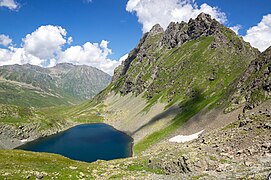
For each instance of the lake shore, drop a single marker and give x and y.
(11, 138)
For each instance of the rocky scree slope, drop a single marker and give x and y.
(187, 67)
(34, 86)
(254, 87)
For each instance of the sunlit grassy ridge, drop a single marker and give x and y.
(22, 96)
(46, 119)
(28, 165)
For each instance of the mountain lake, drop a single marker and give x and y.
(88, 142)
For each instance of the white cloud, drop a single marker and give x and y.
(18, 56)
(10, 4)
(92, 54)
(45, 42)
(43, 47)
(70, 40)
(4, 56)
(260, 36)
(151, 12)
(236, 28)
(5, 40)
(52, 62)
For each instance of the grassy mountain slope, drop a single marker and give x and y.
(64, 84)
(189, 66)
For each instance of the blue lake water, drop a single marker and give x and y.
(88, 143)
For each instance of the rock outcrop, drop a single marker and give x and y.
(178, 33)
(254, 87)
(241, 149)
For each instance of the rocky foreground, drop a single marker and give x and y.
(241, 150)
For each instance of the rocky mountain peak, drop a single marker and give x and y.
(204, 18)
(203, 25)
(178, 33)
(156, 29)
(65, 65)
(175, 34)
(268, 51)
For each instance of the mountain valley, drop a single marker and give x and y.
(190, 77)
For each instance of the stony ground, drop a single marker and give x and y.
(240, 150)
(127, 114)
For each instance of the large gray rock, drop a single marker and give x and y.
(178, 33)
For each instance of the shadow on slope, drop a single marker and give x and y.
(173, 110)
(189, 108)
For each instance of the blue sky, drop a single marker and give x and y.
(108, 29)
(246, 13)
(95, 21)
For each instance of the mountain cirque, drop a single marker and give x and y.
(189, 77)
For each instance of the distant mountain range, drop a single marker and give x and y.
(29, 85)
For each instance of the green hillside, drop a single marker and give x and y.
(64, 84)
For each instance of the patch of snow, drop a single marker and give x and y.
(24, 140)
(182, 139)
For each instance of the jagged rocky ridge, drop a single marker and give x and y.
(29, 85)
(194, 55)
